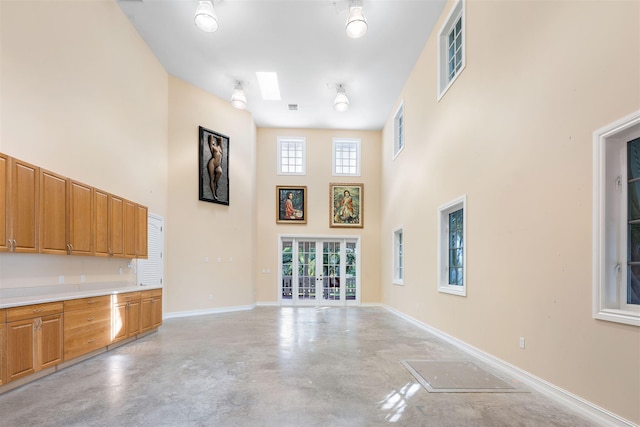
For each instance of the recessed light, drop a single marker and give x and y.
(293, 107)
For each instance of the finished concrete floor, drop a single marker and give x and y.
(272, 366)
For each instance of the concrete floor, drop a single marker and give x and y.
(272, 366)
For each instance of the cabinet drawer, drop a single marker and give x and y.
(152, 293)
(85, 320)
(32, 311)
(81, 343)
(82, 303)
(129, 296)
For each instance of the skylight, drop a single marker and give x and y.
(268, 82)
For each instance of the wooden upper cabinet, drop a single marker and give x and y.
(141, 231)
(116, 226)
(129, 229)
(79, 217)
(4, 198)
(53, 213)
(24, 196)
(101, 223)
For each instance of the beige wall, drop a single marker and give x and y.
(81, 95)
(317, 179)
(197, 230)
(514, 134)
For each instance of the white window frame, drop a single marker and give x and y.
(444, 83)
(610, 221)
(443, 246)
(292, 139)
(398, 131)
(398, 256)
(357, 143)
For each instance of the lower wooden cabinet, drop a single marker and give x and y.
(150, 309)
(3, 347)
(126, 315)
(34, 338)
(87, 325)
(39, 336)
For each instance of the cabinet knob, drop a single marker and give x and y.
(89, 319)
(91, 341)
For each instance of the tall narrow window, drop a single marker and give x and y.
(616, 232)
(398, 131)
(398, 257)
(452, 253)
(291, 156)
(346, 157)
(451, 48)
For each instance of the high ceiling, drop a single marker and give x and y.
(304, 42)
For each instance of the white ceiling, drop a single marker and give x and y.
(304, 42)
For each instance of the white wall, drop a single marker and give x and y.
(514, 133)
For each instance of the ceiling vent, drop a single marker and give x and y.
(293, 107)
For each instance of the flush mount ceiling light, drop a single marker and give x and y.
(238, 99)
(356, 21)
(206, 18)
(341, 103)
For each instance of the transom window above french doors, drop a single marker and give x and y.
(319, 271)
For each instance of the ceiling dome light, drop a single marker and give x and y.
(239, 99)
(206, 18)
(341, 103)
(356, 21)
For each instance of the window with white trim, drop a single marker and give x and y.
(398, 256)
(616, 212)
(398, 131)
(292, 156)
(452, 256)
(346, 157)
(451, 48)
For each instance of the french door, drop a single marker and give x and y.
(319, 271)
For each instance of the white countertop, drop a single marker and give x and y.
(14, 297)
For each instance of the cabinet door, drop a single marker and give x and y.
(101, 223)
(4, 197)
(133, 318)
(49, 341)
(20, 348)
(146, 314)
(80, 215)
(23, 206)
(119, 322)
(129, 229)
(116, 226)
(3, 350)
(53, 213)
(156, 312)
(141, 231)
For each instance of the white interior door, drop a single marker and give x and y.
(318, 271)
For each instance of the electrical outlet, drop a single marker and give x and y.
(82, 278)
(521, 342)
(210, 297)
(120, 270)
(61, 279)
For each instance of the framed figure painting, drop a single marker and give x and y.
(291, 205)
(346, 203)
(213, 179)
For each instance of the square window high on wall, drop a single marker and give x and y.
(616, 225)
(398, 131)
(451, 48)
(292, 156)
(346, 157)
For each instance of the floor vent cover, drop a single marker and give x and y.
(451, 376)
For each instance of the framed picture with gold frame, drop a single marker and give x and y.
(291, 205)
(346, 203)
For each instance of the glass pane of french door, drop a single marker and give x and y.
(306, 270)
(331, 270)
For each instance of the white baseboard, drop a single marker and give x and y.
(267, 304)
(190, 313)
(560, 395)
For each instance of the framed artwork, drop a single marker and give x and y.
(291, 205)
(346, 203)
(213, 179)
